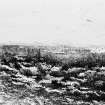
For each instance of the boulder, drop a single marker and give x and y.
(8, 69)
(56, 74)
(72, 83)
(46, 83)
(76, 70)
(55, 69)
(82, 75)
(31, 71)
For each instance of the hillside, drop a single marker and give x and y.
(51, 75)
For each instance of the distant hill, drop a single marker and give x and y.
(56, 49)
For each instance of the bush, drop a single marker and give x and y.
(50, 58)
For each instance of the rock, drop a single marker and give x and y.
(76, 92)
(45, 67)
(47, 76)
(57, 74)
(58, 79)
(102, 68)
(96, 102)
(74, 84)
(76, 70)
(84, 89)
(31, 71)
(53, 91)
(82, 75)
(8, 69)
(17, 83)
(70, 100)
(46, 83)
(55, 69)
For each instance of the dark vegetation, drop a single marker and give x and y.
(85, 59)
(35, 76)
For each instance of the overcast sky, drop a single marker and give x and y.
(77, 22)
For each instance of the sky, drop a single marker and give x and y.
(73, 22)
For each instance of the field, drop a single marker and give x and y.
(51, 75)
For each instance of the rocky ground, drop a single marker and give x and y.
(22, 83)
